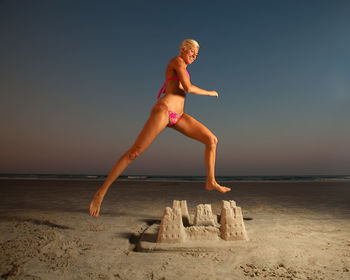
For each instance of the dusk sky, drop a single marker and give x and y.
(78, 80)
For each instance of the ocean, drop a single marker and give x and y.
(102, 177)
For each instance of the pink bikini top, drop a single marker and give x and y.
(162, 90)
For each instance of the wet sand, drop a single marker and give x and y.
(298, 231)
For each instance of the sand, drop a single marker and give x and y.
(297, 231)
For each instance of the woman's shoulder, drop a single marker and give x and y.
(177, 61)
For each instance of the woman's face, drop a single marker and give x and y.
(190, 55)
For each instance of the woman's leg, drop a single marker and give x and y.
(154, 125)
(196, 130)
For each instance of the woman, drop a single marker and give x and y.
(168, 111)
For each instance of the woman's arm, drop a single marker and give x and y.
(180, 68)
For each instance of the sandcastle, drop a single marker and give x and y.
(179, 230)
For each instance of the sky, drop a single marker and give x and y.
(78, 80)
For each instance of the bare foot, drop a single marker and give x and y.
(216, 186)
(96, 204)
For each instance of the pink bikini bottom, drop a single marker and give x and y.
(173, 117)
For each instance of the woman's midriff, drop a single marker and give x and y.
(174, 102)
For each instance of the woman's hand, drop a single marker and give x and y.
(213, 93)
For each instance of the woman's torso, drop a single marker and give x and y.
(174, 97)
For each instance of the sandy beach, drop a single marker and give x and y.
(296, 230)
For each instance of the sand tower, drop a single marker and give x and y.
(171, 228)
(232, 226)
(204, 216)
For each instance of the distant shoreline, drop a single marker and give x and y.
(155, 178)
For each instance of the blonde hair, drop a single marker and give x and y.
(188, 43)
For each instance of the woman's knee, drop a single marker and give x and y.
(134, 152)
(212, 140)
